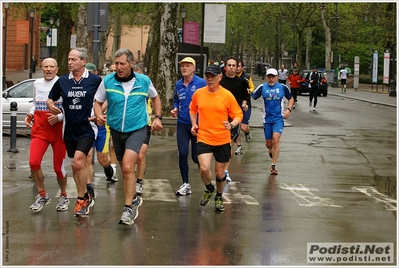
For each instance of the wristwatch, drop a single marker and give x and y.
(232, 126)
(158, 116)
(289, 109)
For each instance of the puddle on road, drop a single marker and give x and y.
(386, 185)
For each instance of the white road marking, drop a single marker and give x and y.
(389, 203)
(305, 197)
(161, 190)
(234, 196)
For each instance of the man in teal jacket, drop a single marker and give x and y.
(126, 93)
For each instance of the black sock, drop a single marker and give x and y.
(109, 171)
(210, 187)
(89, 186)
(139, 181)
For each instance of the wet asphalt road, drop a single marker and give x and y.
(326, 191)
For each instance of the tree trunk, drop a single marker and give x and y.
(327, 32)
(66, 24)
(83, 39)
(299, 49)
(161, 53)
(117, 34)
(308, 45)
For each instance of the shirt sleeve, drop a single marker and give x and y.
(55, 92)
(100, 94)
(257, 92)
(244, 91)
(287, 92)
(251, 85)
(152, 92)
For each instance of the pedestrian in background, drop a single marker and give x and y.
(273, 94)
(244, 125)
(210, 110)
(184, 90)
(343, 75)
(46, 130)
(101, 145)
(314, 81)
(112, 68)
(111, 145)
(127, 117)
(77, 90)
(238, 87)
(294, 80)
(141, 160)
(295, 66)
(282, 75)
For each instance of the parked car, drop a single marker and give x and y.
(304, 85)
(22, 94)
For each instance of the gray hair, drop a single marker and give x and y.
(82, 53)
(138, 66)
(125, 51)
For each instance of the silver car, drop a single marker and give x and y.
(22, 94)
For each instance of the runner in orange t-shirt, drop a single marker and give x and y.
(210, 108)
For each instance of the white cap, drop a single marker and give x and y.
(271, 71)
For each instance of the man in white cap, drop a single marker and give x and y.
(184, 90)
(273, 94)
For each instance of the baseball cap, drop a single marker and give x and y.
(314, 67)
(271, 71)
(213, 69)
(188, 59)
(91, 67)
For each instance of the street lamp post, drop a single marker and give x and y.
(183, 13)
(31, 15)
(336, 18)
(6, 6)
(51, 34)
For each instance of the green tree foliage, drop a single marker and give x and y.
(261, 29)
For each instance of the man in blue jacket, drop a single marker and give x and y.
(184, 91)
(127, 117)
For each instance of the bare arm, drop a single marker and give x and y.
(98, 112)
(157, 106)
(194, 126)
(51, 106)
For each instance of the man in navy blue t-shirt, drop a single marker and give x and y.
(77, 90)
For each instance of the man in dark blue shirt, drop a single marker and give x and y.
(77, 90)
(184, 91)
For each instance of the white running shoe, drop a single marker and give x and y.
(185, 189)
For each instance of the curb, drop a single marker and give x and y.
(364, 100)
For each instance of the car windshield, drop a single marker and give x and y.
(24, 90)
(305, 73)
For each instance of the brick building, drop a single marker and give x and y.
(18, 54)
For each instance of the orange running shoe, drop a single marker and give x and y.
(81, 208)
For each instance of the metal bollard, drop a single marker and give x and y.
(13, 127)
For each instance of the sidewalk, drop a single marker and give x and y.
(365, 92)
